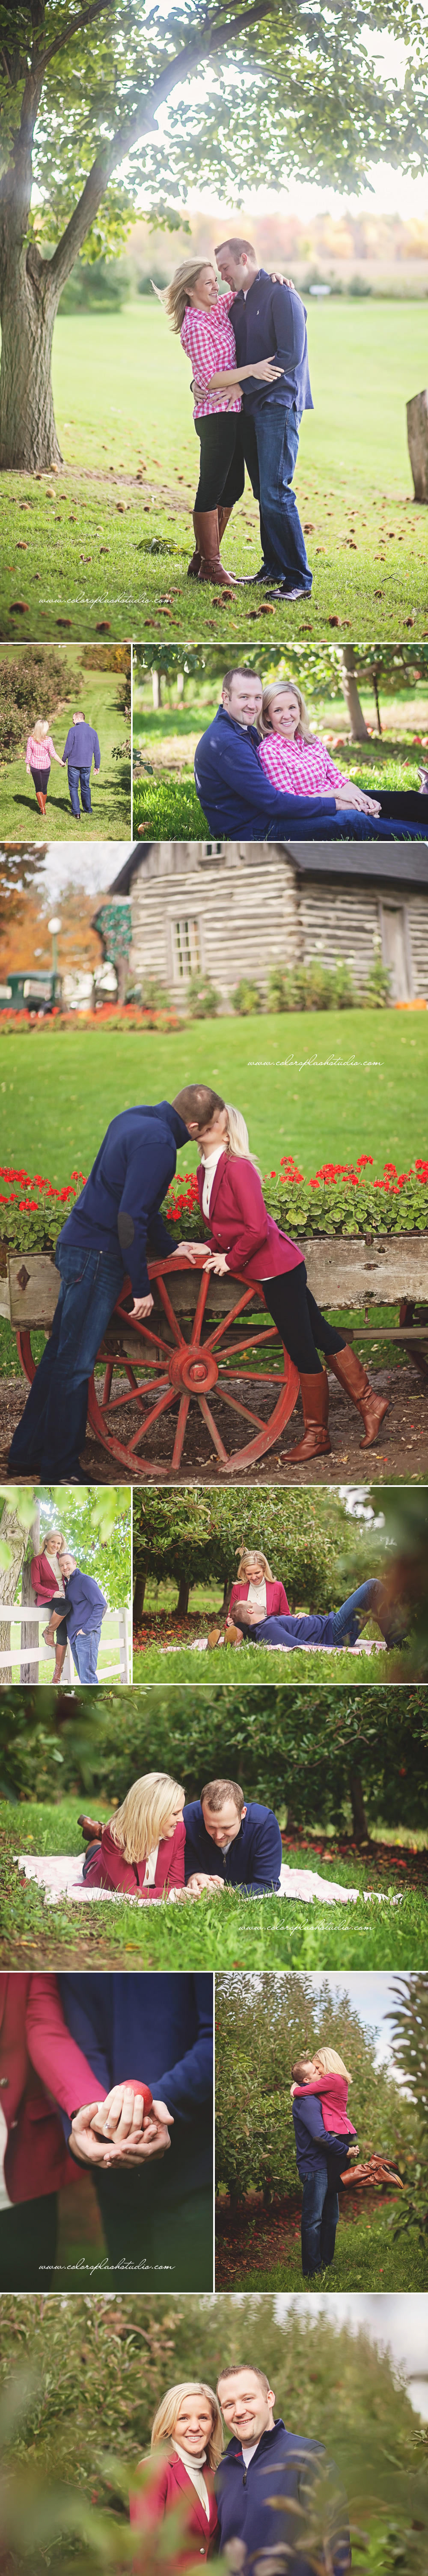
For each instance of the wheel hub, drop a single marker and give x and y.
(196, 1370)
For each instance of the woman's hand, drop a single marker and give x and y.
(191, 1250)
(353, 798)
(266, 370)
(217, 1262)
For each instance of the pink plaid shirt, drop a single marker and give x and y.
(209, 342)
(303, 768)
(39, 754)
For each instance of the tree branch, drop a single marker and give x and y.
(132, 129)
(97, 10)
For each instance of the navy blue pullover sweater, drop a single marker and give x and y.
(159, 2028)
(119, 1205)
(285, 2468)
(313, 2142)
(84, 1604)
(234, 792)
(253, 1861)
(82, 747)
(269, 322)
(315, 1630)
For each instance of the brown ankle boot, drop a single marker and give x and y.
(314, 1393)
(205, 524)
(347, 1368)
(193, 568)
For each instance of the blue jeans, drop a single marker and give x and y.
(52, 1429)
(85, 1654)
(347, 825)
(270, 438)
(370, 1598)
(85, 788)
(320, 2213)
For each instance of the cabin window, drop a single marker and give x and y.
(187, 948)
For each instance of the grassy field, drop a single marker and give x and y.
(110, 793)
(88, 531)
(268, 1666)
(228, 1932)
(365, 2258)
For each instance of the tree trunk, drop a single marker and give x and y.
(359, 1818)
(139, 1591)
(122, 971)
(417, 441)
(226, 1597)
(359, 729)
(156, 689)
(30, 1631)
(28, 437)
(13, 1536)
(183, 1597)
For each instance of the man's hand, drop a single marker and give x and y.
(142, 1307)
(201, 1885)
(351, 797)
(96, 773)
(117, 2130)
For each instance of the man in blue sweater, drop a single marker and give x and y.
(239, 801)
(157, 2213)
(82, 1608)
(321, 2157)
(103, 1241)
(319, 1628)
(269, 321)
(229, 1844)
(277, 2492)
(81, 748)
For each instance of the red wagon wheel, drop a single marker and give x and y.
(25, 1355)
(190, 1359)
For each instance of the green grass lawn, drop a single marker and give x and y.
(110, 793)
(366, 2257)
(228, 1932)
(267, 1666)
(88, 564)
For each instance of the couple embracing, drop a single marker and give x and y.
(104, 1243)
(246, 341)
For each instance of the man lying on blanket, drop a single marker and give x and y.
(331, 1628)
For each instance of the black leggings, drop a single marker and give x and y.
(222, 470)
(299, 1319)
(40, 778)
(61, 1632)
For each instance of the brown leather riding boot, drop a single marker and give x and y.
(314, 1393)
(39, 800)
(205, 524)
(223, 517)
(348, 1369)
(193, 568)
(60, 1655)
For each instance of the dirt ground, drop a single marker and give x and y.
(401, 1452)
(252, 2238)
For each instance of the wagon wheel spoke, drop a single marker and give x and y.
(154, 1416)
(178, 1336)
(106, 1393)
(200, 1307)
(241, 1408)
(143, 1333)
(269, 1377)
(135, 1395)
(180, 1431)
(212, 1427)
(254, 1342)
(227, 1320)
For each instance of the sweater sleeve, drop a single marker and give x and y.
(97, 753)
(266, 1859)
(138, 1215)
(283, 1611)
(61, 2064)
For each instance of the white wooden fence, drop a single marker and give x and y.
(115, 1626)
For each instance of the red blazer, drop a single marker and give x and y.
(40, 2066)
(43, 1580)
(276, 1598)
(109, 1869)
(171, 2484)
(240, 1225)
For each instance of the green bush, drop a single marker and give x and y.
(313, 988)
(203, 1000)
(94, 286)
(247, 998)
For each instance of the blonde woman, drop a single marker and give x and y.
(187, 2442)
(199, 310)
(255, 1583)
(39, 753)
(295, 760)
(247, 1241)
(141, 1849)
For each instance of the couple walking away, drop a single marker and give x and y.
(262, 776)
(248, 349)
(104, 1242)
(143, 2046)
(81, 748)
(273, 2498)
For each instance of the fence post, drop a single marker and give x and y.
(30, 1634)
(124, 1645)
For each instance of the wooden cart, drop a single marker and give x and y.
(210, 1344)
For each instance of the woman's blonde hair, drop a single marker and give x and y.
(281, 688)
(40, 729)
(245, 1553)
(140, 1822)
(166, 2416)
(237, 1136)
(330, 2063)
(176, 296)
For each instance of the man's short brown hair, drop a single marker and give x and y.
(236, 245)
(233, 2371)
(300, 2071)
(240, 671)
(217, 1793)
(197, 1101)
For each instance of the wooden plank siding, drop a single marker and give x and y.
(241, 909)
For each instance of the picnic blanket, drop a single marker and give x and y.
(60, 1875)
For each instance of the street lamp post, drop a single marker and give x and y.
(54, 926)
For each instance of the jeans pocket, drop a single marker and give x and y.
(73, 1266)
